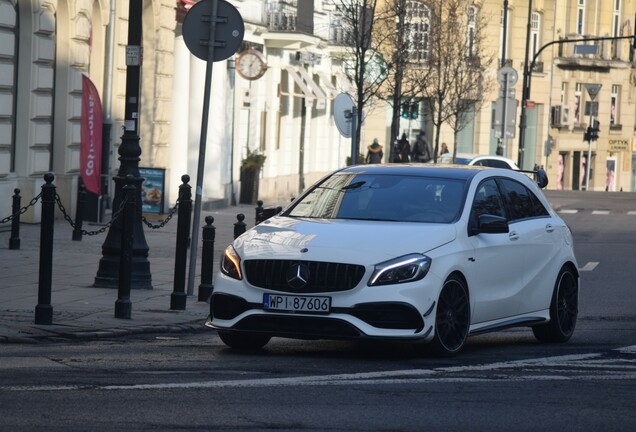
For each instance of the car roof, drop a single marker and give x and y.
(460, 172)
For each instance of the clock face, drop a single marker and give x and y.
(251, 64)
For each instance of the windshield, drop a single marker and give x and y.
(382, 197)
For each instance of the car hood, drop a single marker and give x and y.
(352, 241)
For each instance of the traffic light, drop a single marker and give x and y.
(415, 110)
(591, 134)
(594, 130)
(405, 110)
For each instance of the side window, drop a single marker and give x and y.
(487, 200)
(521, 201)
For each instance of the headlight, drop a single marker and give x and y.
(231, 263)
(407, 268)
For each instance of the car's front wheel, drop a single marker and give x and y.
(564, 309)
(244, 341)
(452, 319)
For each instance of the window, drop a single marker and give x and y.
(580, 17)
(535, 34)
(487, 200)
(616, 20)
(615, 105)
(418, 28)
(470, 36)
(578, 101)
(521, 202)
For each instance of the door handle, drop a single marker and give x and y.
(549, 228)
(513, 235)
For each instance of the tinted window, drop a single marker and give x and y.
(488, 200)
(522, 203)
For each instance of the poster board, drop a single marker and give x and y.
(152, 189)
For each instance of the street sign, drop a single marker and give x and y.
(591, 108)
(508, 74)
(230, 29)
(592, 90)
(511, 117)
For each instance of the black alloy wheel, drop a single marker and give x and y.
(452, 319)
(564, 309)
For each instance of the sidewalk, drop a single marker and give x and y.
(81, 311)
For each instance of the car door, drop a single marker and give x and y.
(495, 275)
(537, 237)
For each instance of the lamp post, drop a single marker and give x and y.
(525, 90)
(129, 152)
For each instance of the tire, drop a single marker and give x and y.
(244, 341)
(452, 318)
(564, 309)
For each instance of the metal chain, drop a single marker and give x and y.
(22, 210)
(163, 222)
(113, 218)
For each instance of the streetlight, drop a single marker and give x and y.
(129, 152)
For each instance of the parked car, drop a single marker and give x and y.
(491, 161)
(413, 253)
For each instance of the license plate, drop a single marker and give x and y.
(312, 304)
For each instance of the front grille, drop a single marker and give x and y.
(323, 277)
(299, 326)
(398, 316)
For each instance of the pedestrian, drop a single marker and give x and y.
(444, 149)
(403, 150)
(422, 151)
(374, 154)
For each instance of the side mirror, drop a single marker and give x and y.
(491, 224)
(541, 177)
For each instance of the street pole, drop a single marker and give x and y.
(588, 162)
(129, 157)
(525, 92)
(231, 65)
(505, 95)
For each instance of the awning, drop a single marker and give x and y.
(326, 82)
(320, 94)
(293, 73)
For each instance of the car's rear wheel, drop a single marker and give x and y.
(244, 341)
(564, 309)
(452, 319)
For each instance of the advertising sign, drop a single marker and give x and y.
(152, 189)
(91, 137)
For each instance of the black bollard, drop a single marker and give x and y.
(14, 240)
(207, 260)
(240, 226)
(44, 310)
(123, 305)
(178, 296)
(259, 212)
(79, 212)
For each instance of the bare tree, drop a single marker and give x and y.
(404, 76)
(361, 56)
(455, 83)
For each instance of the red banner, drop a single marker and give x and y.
(91, 137)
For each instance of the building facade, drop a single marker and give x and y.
(285, 112)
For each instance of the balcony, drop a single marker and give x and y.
(592, 55)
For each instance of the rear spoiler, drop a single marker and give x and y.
(539, 176)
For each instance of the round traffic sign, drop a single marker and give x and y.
(508, 73)
(230, 29)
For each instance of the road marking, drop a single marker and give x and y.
(600, 212)
(579, 367)
(631, 213)
(589, 266)
(569, 211)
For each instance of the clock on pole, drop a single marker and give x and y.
(251, 64)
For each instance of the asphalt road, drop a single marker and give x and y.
(502, 381)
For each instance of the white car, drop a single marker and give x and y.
(491, 161)
(414, 253)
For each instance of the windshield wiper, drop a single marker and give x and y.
(355, 185)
